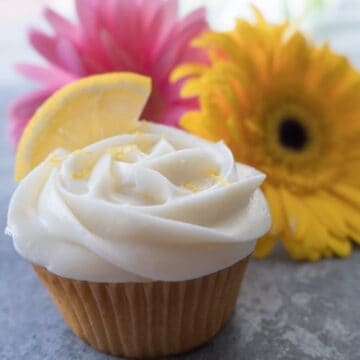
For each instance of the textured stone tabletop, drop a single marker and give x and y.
(286, 310)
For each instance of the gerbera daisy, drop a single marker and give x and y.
(114, 35)
(291, 109)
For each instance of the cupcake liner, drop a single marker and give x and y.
(146, 320)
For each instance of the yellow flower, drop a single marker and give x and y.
(291, 109)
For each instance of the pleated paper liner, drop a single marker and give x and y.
(146, 320)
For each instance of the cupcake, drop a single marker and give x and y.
(142, 238)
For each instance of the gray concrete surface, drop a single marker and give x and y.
(286, 310)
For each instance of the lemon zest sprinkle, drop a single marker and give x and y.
(191, 187)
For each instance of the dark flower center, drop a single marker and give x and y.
(292, 134)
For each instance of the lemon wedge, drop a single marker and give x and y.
(81, 113)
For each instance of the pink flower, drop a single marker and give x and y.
(144, 36)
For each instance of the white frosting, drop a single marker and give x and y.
(158, 204)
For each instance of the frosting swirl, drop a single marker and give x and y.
(156, 204)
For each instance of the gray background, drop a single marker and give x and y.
(286, 310)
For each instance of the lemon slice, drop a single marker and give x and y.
(81, 113)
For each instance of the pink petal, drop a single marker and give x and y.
(92, 64)
(45, 45)
(87, 17)
(177, 48)
(60, 51)
(150, 9)
(191, 27)
(108, 12)
(27, 104)
(61, 25)
(125, 25)
(105, 10)
(120, 59)
(197, 16)
(166, 62)
(169, 14)
(162, 18)
(46, 75)
(173, 92)
(161, 25)
(144, 36)
(70, 57)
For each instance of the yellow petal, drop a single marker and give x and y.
(191, 88)
(308, 238)
(187, 70)
(276, 208)
(192, 122)
(340, 246)
(349, 194)
(264, 246)
(328, 212)
(259, 68)
(258, 15)
(347, 211)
